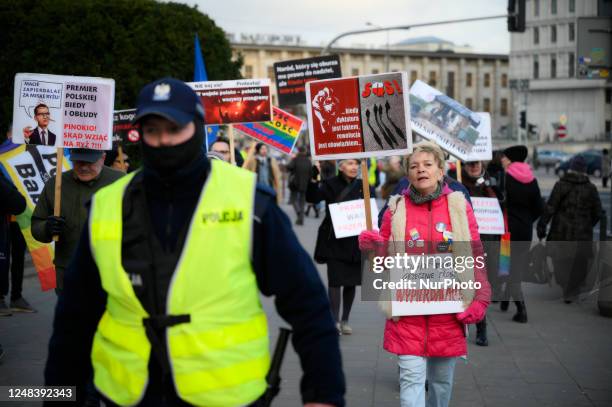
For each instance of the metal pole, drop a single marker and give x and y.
(406, 27)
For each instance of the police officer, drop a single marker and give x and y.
(161, 305)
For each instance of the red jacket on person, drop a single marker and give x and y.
(440, 335)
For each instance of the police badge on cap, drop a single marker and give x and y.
(161, 92)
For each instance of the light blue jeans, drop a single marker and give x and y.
(414, 370)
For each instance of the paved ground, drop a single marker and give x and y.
(562, 357)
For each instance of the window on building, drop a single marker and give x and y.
(553, 6)
(450, 84)
(486, 105)
(572, 6)
(487, 80)
(468, 80)
(248, 71)
(355, 72)
(414, 75)
(536, 8)
(504, 80)
(270, 72)
(608, 95)
(536, 67)
(503, 108)
(571, 65)
(432, 78)
(553, 66)
(536, 35)
(553, 33)
(374, 71)
(571, 32)
(608, 126)
(469, 103)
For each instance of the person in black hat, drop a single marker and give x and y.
(86, 177)
(524, 207)
(161, 301)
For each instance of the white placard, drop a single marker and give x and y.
(63, 111)
(488, 215)
(349, 218)
(421, 296)
(454, 127)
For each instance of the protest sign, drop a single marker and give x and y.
(454, 127)
(427, 288)
(238, 101)
(63, 111)
(124, 132)
(29, 168)
(488, 215)
(359, 117)
(281, 133)
(349, 218)
(292, 76)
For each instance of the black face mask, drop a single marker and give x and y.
(168, 160)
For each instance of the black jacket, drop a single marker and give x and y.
(574, 207)
(524, 206)
(347, 248)
(300, 170)
(11, 203)
(282, 268)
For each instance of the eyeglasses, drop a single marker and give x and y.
(222, 151)
(44, 114)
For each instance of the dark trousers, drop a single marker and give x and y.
(16, 247)
(298, 200)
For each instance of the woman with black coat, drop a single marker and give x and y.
(342, 256)
(524, 206)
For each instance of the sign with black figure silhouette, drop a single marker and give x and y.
(359, 117)
(455, 128)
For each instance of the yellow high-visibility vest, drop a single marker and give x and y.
(220, 356)
(372, 172)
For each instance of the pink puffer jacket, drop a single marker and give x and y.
(439, 335)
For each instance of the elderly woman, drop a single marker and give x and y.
(342, 256)
(428, 345)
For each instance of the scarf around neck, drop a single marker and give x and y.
(419, 199)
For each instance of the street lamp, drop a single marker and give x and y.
(387, 56)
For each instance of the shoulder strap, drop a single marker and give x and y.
(347, 189)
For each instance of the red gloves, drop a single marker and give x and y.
(474, 313)
(370, 240)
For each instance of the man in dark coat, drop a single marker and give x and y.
(575, 208)
(524, 207)
(300, 170)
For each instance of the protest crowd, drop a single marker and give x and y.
(158, 260)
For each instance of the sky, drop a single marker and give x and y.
(318, 21)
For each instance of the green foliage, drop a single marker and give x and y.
(132, 41)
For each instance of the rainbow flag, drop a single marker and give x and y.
(29, 168)
(281, 133)
(504, 251)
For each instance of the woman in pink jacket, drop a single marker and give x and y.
(428, 214)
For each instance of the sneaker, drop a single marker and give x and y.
(4, 310)
(346, 329)
(339, 328)
(21, 305)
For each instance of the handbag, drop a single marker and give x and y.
(322, 252)
(312, 192)
(537, 269)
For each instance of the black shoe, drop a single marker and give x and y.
(504, 305)
(299, 222)
(21, 305)
(4, 310)
(481, 334)
(317, 213)
(521, 312)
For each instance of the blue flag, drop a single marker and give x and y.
(199, 69)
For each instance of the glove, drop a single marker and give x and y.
(474, 313)
(369, 240)
(541, 231)
(55, 225)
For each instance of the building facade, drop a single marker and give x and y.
(479, 81)
(543, 67)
